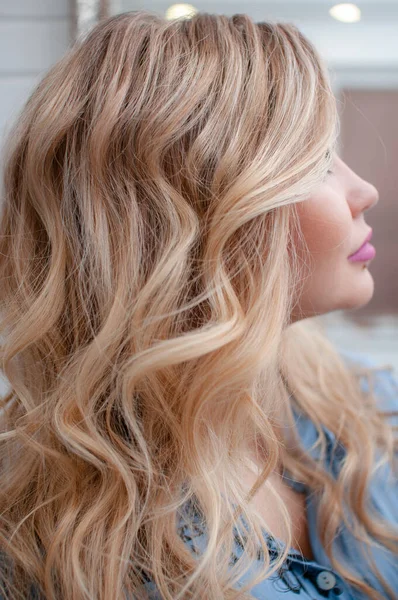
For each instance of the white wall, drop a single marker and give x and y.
(33, 35)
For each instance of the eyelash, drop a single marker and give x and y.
(328, 156)
(327, 174)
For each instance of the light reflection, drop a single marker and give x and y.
(88, 13)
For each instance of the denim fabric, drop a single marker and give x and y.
(305, 579)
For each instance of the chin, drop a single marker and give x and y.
(363, 292)
(350, 293)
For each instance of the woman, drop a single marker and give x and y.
(178, 425)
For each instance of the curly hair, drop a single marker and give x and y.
(148, 276)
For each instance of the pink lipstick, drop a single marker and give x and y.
(365, 252)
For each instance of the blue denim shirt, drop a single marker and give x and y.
(304, 579)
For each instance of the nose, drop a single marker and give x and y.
(372, 196)
(364, 197)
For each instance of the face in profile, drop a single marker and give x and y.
(333, 223)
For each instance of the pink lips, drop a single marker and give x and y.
(365, 252)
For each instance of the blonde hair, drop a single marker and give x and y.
(148, 277)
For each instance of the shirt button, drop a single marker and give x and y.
(325, 580)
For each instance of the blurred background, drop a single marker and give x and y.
(360, 44)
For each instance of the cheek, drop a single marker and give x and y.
(327, 232)
(330, 281)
